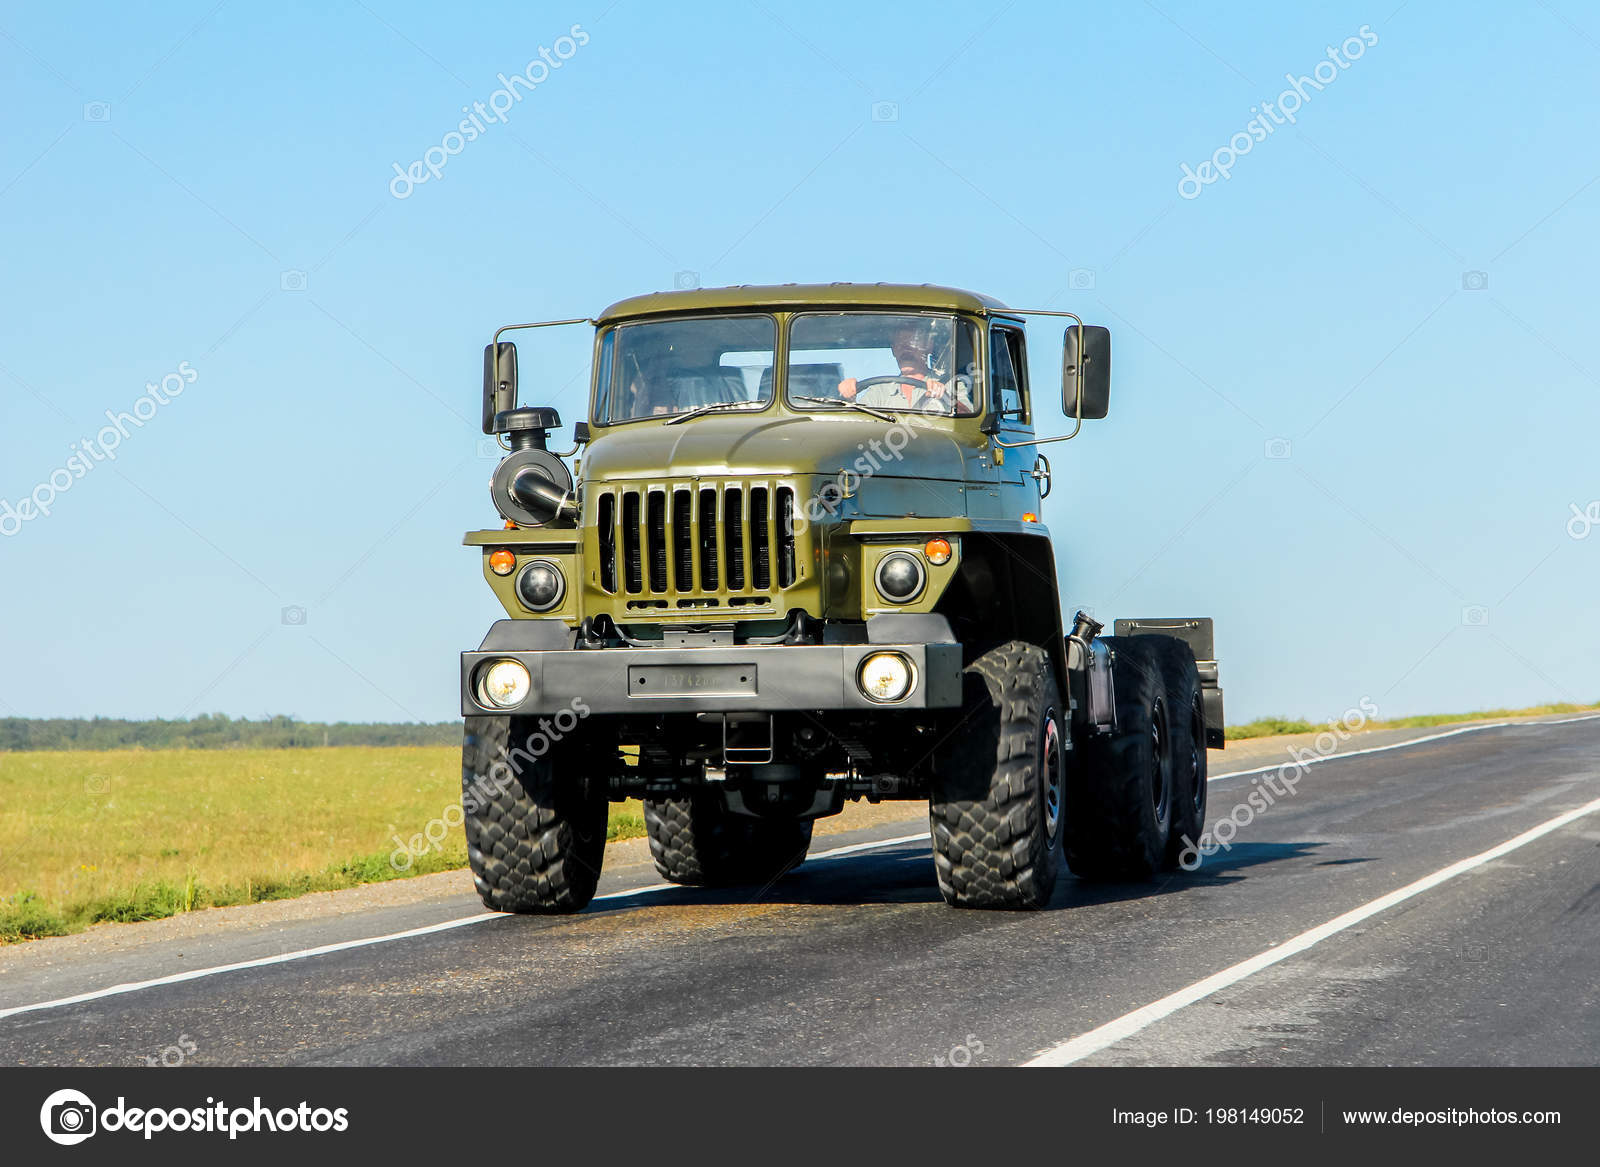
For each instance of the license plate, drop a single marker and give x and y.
(646, 681)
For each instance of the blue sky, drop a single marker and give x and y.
(207, 186)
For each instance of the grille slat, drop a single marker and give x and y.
(735, 538)
(785, 536)
(760, 540)
(710, 532)
(629, 536)
(606, 530)
(656, 539)
(683, 544)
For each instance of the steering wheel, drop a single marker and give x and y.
(897, 379)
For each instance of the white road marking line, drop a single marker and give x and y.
(1129, 1024)
(345, 945)
(282, 958)
(1416, 741)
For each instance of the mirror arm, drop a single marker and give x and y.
(542, 324)
(1046, 441)
(1079, 394)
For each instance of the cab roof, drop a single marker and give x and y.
(786, 296)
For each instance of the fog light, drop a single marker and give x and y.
(541, 586)
(504, 684)
(885, 677)
(900, 577)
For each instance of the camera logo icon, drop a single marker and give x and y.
(97, 111)
(68, 1117)
(885, 111)
(1279, 449)
(293, 280)
(1081, 279)
(294, 615)
(1475, 616)
(1474, 281)
(686, 281)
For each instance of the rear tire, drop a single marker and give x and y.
(996, 808)
(535, 840)
(1187, 712)
(1120, 797)
(696, 842)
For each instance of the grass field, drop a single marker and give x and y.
(1278, 726)
(87, 836)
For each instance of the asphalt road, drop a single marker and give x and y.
(1280, 950)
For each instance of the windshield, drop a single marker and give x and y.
(662, 368)
(882, 360)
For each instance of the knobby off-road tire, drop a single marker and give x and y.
(696, 842)
(1186, 712)
(535, 837)
(996, 809)
(1119, 805)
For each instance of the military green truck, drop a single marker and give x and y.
(799, 560)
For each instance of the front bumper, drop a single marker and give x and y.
(744, 678)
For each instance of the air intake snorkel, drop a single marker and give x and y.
(531, 486)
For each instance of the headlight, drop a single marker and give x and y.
(541, 586)
(885, 677)
(504, 684)
(900, 577)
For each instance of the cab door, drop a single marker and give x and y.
(1009, 418)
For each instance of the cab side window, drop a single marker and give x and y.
(1007, 370)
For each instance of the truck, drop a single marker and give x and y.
(798, 560)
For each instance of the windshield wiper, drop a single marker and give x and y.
(848, 404)
(702, 410)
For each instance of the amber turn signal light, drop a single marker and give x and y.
(937, 551)
(502, 562)
(1029, 517)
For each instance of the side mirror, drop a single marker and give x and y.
(580, 432)
(1086, 371)
(499, 381)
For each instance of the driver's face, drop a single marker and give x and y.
(910, 351)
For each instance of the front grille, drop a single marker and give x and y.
(693, 544)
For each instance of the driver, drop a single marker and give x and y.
(647, 397)
(926, 385)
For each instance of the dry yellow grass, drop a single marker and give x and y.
(135, 834)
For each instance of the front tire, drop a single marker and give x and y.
(1119, 813)
(996, 813)
(535, 839)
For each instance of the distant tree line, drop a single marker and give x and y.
(214, 731)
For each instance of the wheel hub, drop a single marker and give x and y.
(1160, 772)
(1054, 793)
